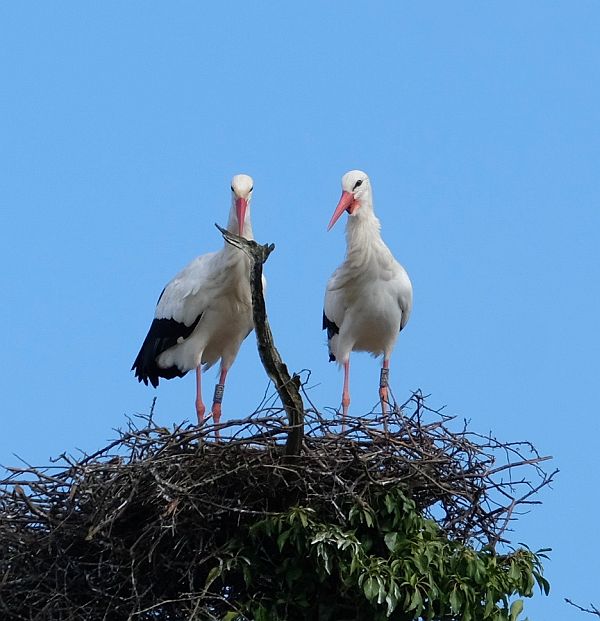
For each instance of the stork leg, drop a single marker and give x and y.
(383, 391)
(217, 399)
(346, 393)
(200, 407)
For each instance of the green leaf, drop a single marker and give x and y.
(262, 614)
(247, 575)
(455, 600)
(513, 572)
(390, 541)
(282, 539)
(355, 564)
(322, 553)
(230, 616)
(542, 583)
(213, 574)
(381, 591)
(416, 602)
(371, 588)
(419, 564)
(391, 602)
(390, 505)
(542, 552)
(516, 609)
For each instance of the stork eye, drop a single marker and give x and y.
(358, 183)
(252, 188)
(232, 189)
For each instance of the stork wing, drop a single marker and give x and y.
(404, 293)
(185, 298)
(334, 306)
(334, 309)
(178, 311)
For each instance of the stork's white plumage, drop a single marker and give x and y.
(369, 297)
(205, 312)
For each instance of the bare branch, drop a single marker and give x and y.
(592, 609)
(135, 528)
(288, 387)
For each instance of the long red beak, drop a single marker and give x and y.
(345, 204)
(240, 208)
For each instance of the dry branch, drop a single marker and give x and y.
(133, 531)
(593, 610)
(288, 387)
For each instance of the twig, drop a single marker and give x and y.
(592, 609)
(139, 525)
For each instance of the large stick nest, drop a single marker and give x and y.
(132, 531)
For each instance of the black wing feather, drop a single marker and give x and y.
(163, 334)
(332, 329)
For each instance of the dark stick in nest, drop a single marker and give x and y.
(288, 387)
(140, 524)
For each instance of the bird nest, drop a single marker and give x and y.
(132, 530)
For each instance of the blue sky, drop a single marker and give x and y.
(121, 125)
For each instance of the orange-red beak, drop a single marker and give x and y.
(346, 204)
(240, 208)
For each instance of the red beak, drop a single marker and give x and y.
(345, 204)
(240, 208)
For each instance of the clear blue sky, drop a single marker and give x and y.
(121, 125)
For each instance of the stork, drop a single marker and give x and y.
(205, 312)
(369, 296)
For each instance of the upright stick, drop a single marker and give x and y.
(288, 387)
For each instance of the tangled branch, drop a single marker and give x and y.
(134, 530)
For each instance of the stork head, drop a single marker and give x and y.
(356, 189)
(241, 195)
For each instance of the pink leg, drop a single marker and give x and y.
(346, 393)
(383, 390)
(216, 406)
(200, 408)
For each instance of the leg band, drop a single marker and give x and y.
(383, 378)
(219, 389)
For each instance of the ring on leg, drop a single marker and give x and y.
(218, 398)
(216, 407)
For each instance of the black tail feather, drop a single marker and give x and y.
(332, 330)
(163, 334)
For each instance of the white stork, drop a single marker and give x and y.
(205, 312)
(369, 297)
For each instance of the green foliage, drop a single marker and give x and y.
(381, 560)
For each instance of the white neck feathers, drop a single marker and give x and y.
(363, 238)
